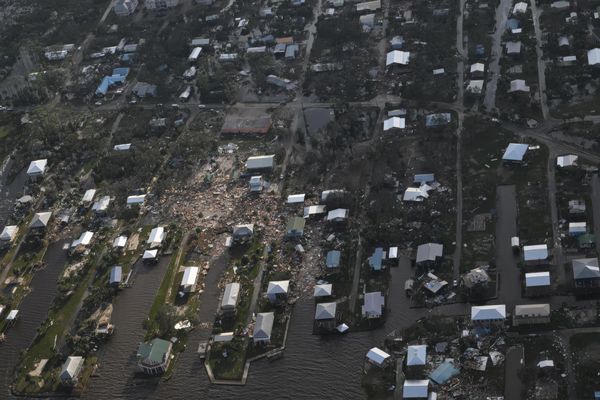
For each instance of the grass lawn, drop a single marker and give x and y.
(227, 360)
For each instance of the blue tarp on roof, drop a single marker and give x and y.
(333, 259)
(512, 23)
(444, 372)
(118, 76)
(376, 259)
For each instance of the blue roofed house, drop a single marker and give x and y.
(376, 260)
(333, 259)
(515, 152)
(119, 75)
(116, 274)
(446, 371)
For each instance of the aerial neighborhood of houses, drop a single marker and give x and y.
(404, 191)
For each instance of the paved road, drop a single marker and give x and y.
(596, 207)
(509, 274)
(540, 59)
(459, 104)
(489, 101)
(512, 382)
(559, 258)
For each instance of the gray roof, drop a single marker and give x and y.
(333, 258)
(260, 162)
(376, 259)
(263, 326)
(515, 152)
(231, 295)
(325, 311)
(429, 252)
(416, 355)
(71, 368)
(526, 310)
(116, 274)
(586, 268)
(40, 220)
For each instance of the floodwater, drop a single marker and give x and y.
(313, 367)
(317, 119)
(9, 193)
(32, 312)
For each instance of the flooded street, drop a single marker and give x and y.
(10, 192)
(32, 313)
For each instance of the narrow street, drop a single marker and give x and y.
(502, 11)
(557, 251)
(540, 59)
(596, 207)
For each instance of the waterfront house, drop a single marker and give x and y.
(277, 291)
(40, 221)
(378, 357)
(115, 276)
(416, 355)
(373, 305)
(415, 389)
(515, 152)
(295, 227)
(333, 259)
(488, 315)
(536, 254)
(71, 369)
(527, 314)
(263, 327)
(586, 275)
(150, 256)
(154, 356)
(189, 279)
(429, 254)
(9, 233)
(157, 235)
(37, 168)
(323, 290)
(230, 298)
(325, 317)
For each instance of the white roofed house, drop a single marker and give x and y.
(488, 315)
(373, 305)
(475, 87)
(593, 57)
(40, 221)
(537, 283)
(122, 147)
(260, 163)
(378, 357)
(88, 197)
(230, 298)
(150, 256)
(124, 8)
(397, 57)
(577, 228)
(277, 291)
(536, 254)
(120, 242)
(71, 369)
(9, 233)
(429, 254)
(394, 123)
(189, 279)
(323, 290)
(116, 275)
(415, 389)
(296, 198)
(37, 168)
(518, 86)
(520, 8)
(325, 317)
(337, 215)
(416, 194)
(137, 199)
(569, 160)
(157, 235)
(515, 152)
(263, 327)
(83, 241)
(101, 205)
(256, 184)
(477, 70)
(513, 48)
(416, 355)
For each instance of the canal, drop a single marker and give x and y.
(32, 312)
